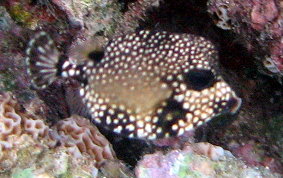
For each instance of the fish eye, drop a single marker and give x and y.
(199, 79)
(96, 56)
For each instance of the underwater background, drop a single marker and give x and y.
(40, 136)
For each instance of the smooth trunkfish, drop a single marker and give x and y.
(148, 84)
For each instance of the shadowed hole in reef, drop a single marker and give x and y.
(126, 149)
(125, 4)
(207, 131)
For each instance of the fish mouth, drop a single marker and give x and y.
(234, 104)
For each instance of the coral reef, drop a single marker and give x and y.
(28, 143)
(11, 133)
(197, 160)
(259, 23)
(255, 136)
(37, 161)
(79, 136)
(12, 75)
(134, 12)
(87, 21)
(29, 14)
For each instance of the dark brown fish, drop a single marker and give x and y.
(147, 85)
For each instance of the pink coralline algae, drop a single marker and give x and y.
(259, 22)
(262, 13)
(252, 154)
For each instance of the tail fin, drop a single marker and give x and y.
(42, 60)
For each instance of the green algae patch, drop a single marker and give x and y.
(185, 170)
(20, 15)
(24, 173)
(186, 167)
(7, 82)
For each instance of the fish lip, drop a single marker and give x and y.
(236, 103)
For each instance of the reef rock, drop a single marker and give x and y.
(259, 24)
(197, 160)
(29, 147)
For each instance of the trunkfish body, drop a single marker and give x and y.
(148, 84)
